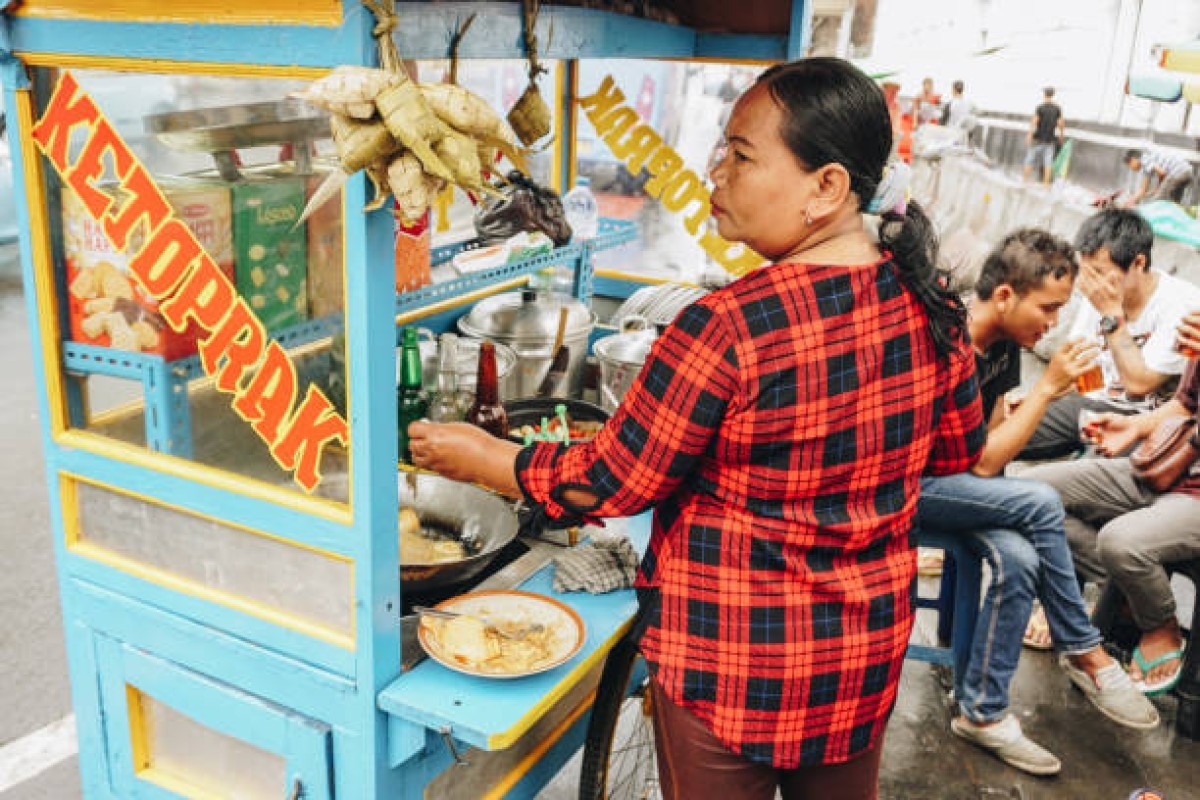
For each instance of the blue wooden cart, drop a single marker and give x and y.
(228, 633)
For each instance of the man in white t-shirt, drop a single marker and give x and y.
(1132, 311)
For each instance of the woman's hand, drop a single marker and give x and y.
(1114, 433)
(463, 452)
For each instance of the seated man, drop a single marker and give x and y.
(1119, 528)
(1169, 173)
(1017, 524)
(1132, 311)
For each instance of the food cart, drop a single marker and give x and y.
(225, 522)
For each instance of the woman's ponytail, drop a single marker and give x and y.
(913, 243)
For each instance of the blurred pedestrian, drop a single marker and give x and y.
(1169, 173)
(959, 112)
(1046, 130)
(928, 103)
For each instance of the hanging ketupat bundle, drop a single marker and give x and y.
(411, 139)
(530, 116)
(348, 90)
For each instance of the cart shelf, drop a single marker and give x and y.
(165, 383)
(492, 714)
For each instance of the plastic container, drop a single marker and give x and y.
(582, 211)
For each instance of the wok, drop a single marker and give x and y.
(485, 522)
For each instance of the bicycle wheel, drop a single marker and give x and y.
(618, 752)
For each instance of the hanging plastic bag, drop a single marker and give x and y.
(524, 206)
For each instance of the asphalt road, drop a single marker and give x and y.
(34, 691)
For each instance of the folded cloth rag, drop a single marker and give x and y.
(597, 566)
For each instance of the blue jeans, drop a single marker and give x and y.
(1017, 526)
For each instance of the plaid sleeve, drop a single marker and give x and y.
(961, 429)
(663, 426)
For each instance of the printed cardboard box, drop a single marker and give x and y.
(326, 261)
(271, 250)
(106, 306)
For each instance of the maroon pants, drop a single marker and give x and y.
(693, 763)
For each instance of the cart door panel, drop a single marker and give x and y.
(171, 732)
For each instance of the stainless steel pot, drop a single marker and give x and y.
(527, 321)
(488, 519)
(621, 358)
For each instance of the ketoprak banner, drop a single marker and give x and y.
(680, 190)
(190, 287)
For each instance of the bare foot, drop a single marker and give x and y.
(1037, 632)
(1092, 661)
(1155, 644)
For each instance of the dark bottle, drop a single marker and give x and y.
(486, 412)
(411, 404)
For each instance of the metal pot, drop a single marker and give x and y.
(527, 321)
(468, 510)
(621, 358)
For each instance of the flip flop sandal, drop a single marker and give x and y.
(1037, 625)
(1162, 686)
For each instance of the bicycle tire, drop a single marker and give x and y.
(615, 697)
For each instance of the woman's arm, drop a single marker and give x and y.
(653, 441)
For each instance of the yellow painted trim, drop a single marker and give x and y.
(167, 66)
(504, 739)
(43, 265)
(531, 758)
(556, 151)
(409, 317)
(637, 277)
(76, 543)
(139, 743)
(572, 145)
(204, 475)
(322, 13)
(176, 785)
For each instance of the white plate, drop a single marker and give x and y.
(500, 607)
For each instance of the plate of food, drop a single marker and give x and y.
(501, 633)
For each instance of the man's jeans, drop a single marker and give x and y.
(1017, 525)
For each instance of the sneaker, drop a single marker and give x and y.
(1114, 693)
(1008, 742)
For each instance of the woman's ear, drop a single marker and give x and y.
(831, 188)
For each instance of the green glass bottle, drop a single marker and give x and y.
(411, 404)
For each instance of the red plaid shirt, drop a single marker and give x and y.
(780, 427)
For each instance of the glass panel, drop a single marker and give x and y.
(687, 104)
(226, 264)
(268, 577)
(182, 754)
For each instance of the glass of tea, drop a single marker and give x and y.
(1091, 380)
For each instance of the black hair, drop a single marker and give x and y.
(957, 86)
(1048, 91)
(1023, 260)
(835, 114)
(1130, 155)
(1126, 234)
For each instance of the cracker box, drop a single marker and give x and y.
(326, 262)
(106, 306)
(271, 250)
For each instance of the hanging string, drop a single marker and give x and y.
(385, 22)
(455, 40)
(529, 13)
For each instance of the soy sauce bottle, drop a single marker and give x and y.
(486, 412)
(411, 404)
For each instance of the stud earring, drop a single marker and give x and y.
(807, 217)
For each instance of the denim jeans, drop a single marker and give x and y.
(1017, 526)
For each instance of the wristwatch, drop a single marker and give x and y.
(1109, 323)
